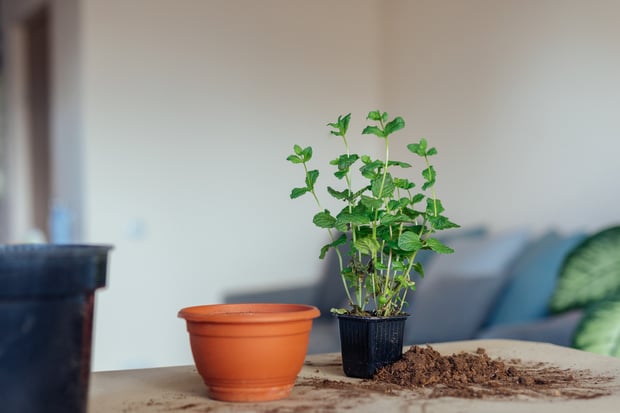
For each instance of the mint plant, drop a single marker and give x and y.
(384, 221)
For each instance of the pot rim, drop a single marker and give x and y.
(372, 318)
(249, 313)
(52, 250)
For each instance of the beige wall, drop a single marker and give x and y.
(521, 98)
(191, 108)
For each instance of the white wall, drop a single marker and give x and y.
(191, 108)
(521, 98)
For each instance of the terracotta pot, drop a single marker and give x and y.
(249, 352)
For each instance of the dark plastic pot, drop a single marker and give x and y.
(369, 343)
(46, 315)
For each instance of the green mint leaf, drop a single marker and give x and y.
(417, 198)
(345, 161)
(324, 250)
(419, 269)
(374, 115)
(398, 163)
(411, 213)
(391, 219)
(399, 265)
(340, 174)
(429, 175)
(403, 183)
(371, 203)
(297, 149)
(431, 152)
(343, 123)
(342, 239)
(398, 204)
(311, 178)
(441, 222)
(324, 220)
(434, 207)
(438, 246)
(382, 299)
(373, 130)
(382, 188)
(381, 266)
(367, 245)
(338, 194)
(336, 126)
(352, 218)
(297, 192)
(409, 241)
(338, 241)
(341, 226)
(306, 153)
(294, 159)
(394, 125)
(360, 192)
(418, 148)
(371, 169)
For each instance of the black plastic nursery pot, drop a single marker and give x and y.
(369, 343)
(46, 315)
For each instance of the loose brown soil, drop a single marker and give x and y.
(423, 373)
(476, 375)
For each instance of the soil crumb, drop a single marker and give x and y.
(476, 375)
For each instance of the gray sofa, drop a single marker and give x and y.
(496, 285)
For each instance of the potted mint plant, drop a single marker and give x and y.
(385, 221)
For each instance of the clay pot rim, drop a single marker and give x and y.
(249, 313)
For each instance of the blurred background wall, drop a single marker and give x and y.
(170, 122)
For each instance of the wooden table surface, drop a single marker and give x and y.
(180, 389)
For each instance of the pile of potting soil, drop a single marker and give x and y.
(476, 375)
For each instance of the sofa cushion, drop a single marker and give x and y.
(452, 300)
(532, 280)
(557, 329)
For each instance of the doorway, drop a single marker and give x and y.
(37, 41)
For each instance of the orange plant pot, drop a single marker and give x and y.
(249, 352)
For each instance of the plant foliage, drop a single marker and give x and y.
(599, 329)
(384, 222)
(589, 273)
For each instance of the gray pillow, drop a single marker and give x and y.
(558, 329)
(532, 281)
(452, 301)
